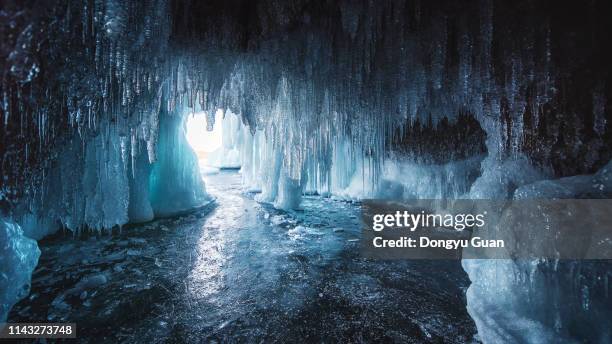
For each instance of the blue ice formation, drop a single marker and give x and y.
(99, 182)
(108, 180)
(18, 258)
(176, 184)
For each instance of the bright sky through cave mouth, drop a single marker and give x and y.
(201, 140)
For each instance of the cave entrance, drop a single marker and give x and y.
(202, 141)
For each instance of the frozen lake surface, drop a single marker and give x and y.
(242, 271)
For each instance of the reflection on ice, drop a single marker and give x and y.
(206, 277)
(244, 271)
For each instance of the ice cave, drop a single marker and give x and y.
(183, 171)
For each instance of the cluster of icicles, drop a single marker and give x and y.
(359, 78)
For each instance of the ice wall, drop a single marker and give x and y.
(343, 172)
(86, 187)
(105, 179)
(97, 182)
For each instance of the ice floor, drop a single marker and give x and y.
(242, 271)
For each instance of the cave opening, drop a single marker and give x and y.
(201, 140)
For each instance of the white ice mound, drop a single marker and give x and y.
(224, 157)
(18, 258)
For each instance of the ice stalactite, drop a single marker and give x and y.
(446, 167)
(251, 159)
(269, 172)
(342, 172)
(350, 71)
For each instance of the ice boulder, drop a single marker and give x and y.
(544, 300)
(18, 258)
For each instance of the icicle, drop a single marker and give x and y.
(134, 151)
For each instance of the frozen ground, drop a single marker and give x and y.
(242, 271)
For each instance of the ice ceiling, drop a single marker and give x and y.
(305, 73)
(94, 92)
